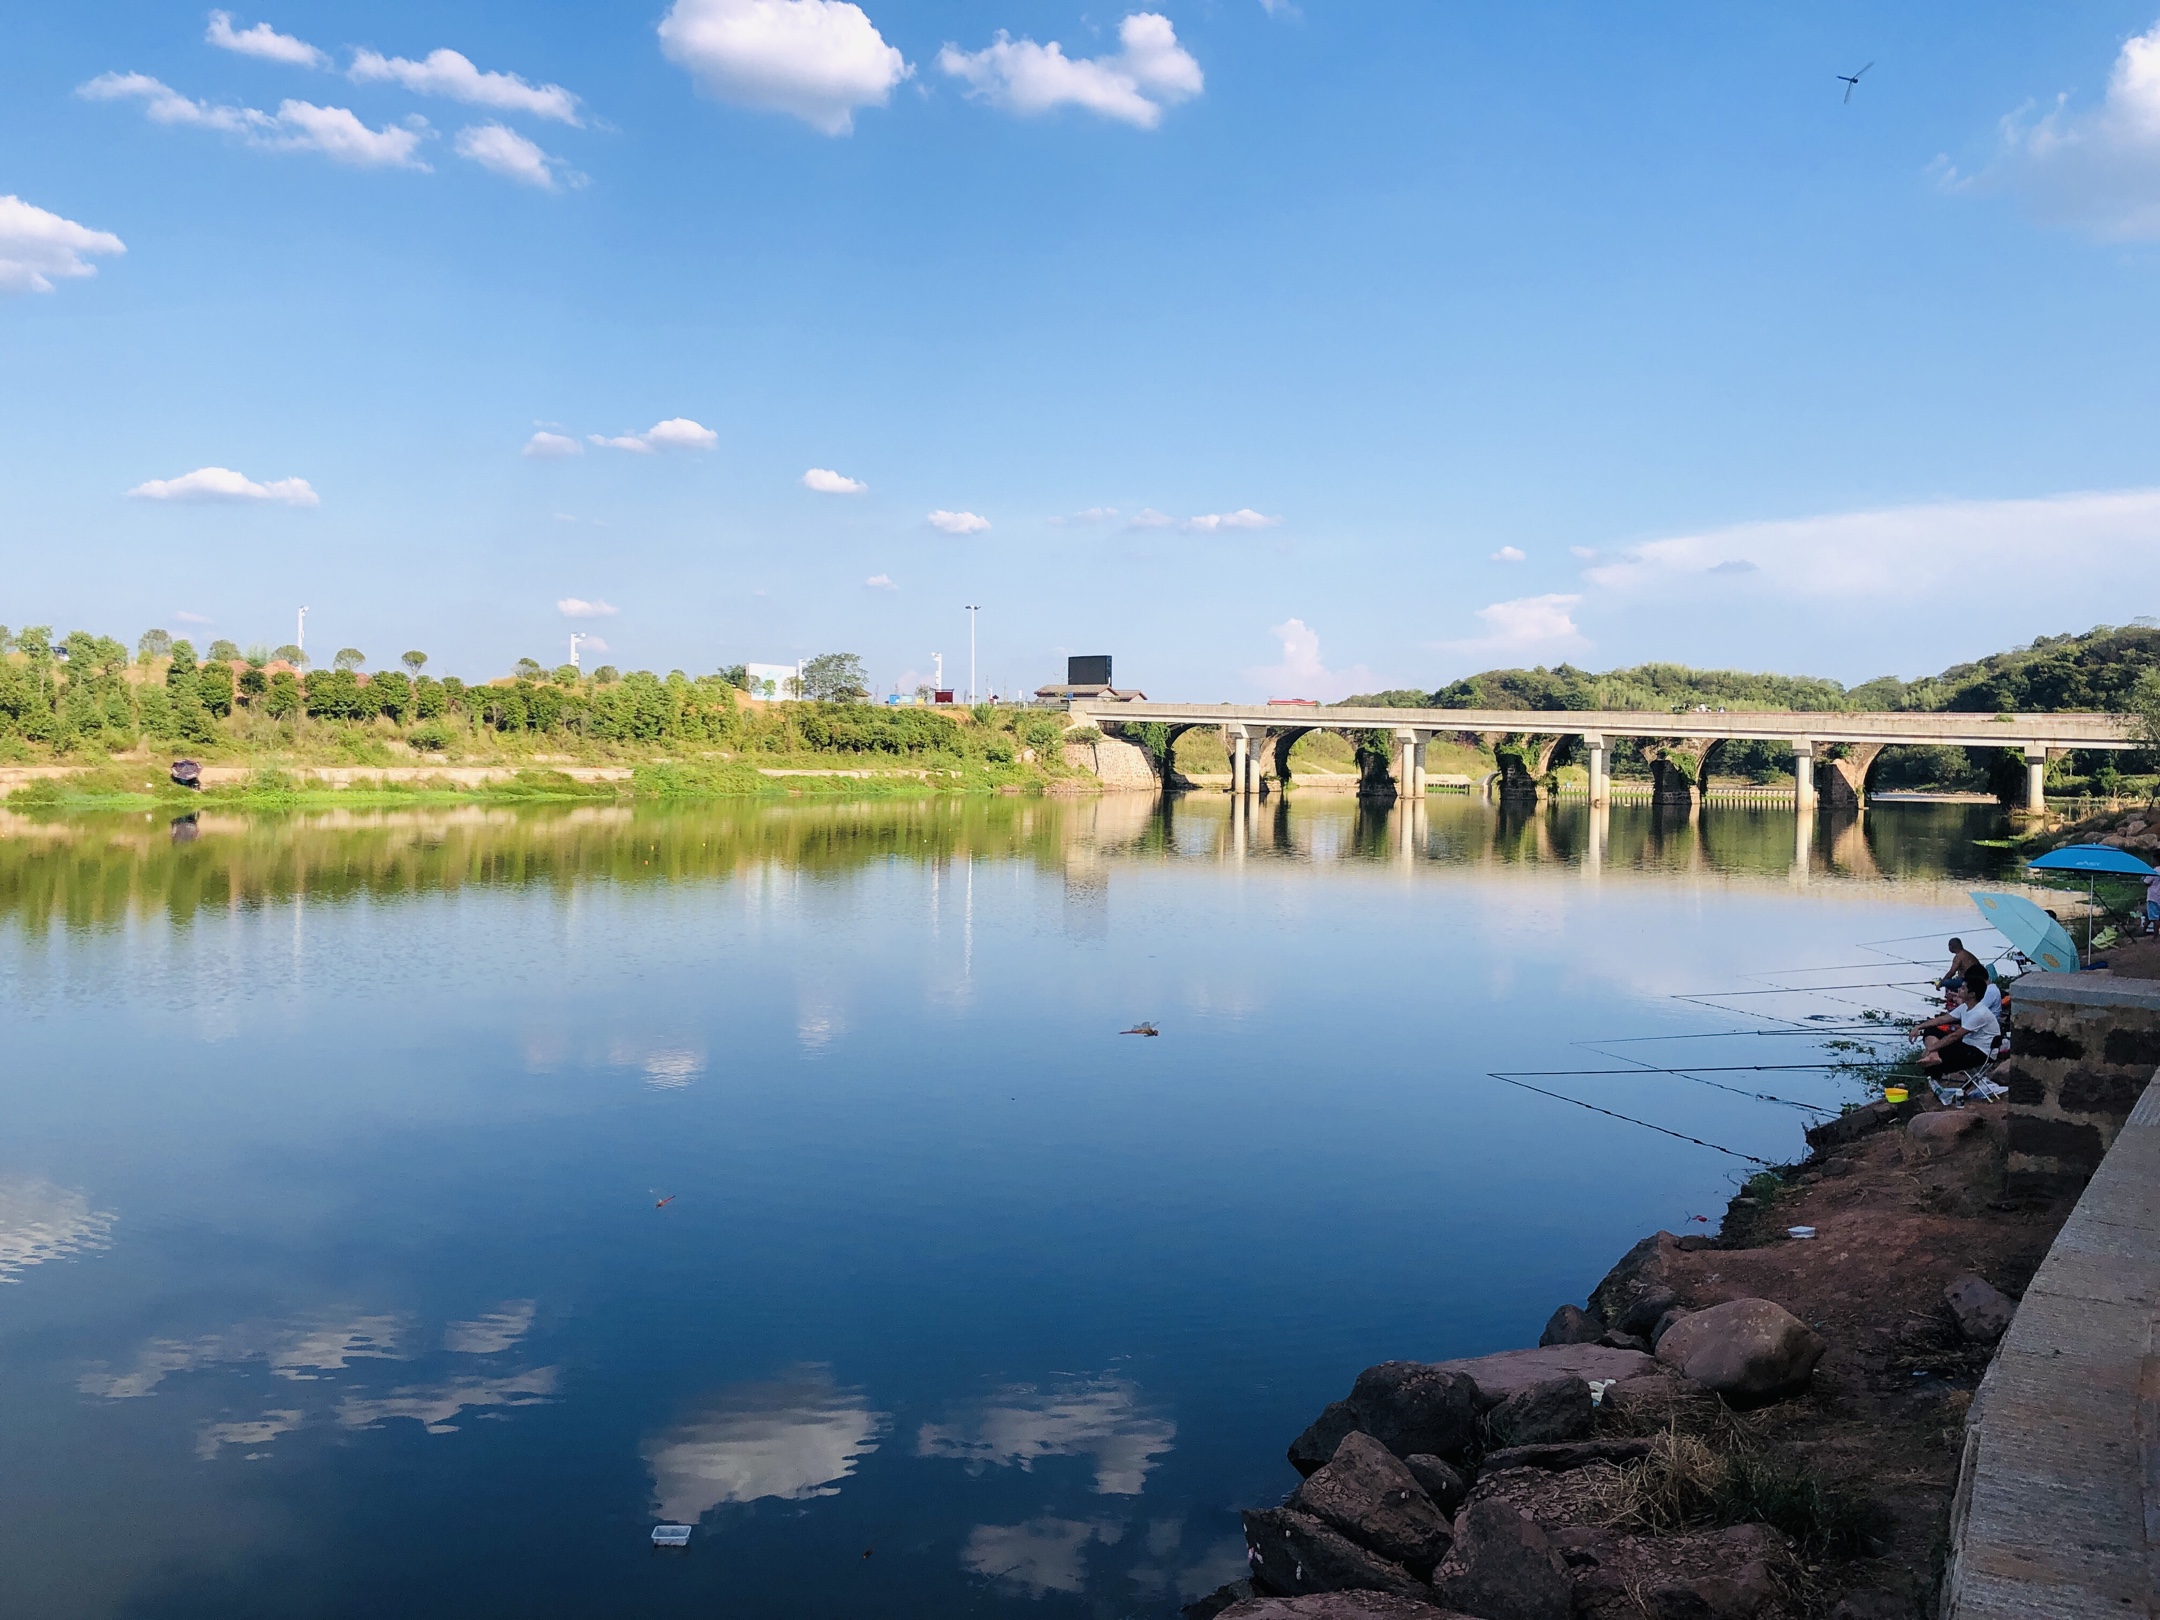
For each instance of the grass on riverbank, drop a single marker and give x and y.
(269, 787)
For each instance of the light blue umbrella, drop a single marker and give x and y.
(2031, 930)
(2092, 860)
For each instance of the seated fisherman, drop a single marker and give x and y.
(1970, 1043)
(1961, 960)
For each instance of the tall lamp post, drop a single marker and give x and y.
(576, 636)
(972, 610)
(300, 632)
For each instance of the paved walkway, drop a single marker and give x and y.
(2058, 1510)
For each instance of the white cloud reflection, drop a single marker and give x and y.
(1094, 1417)
(492, 1333)
(795, 1438)
(301, 1353)
(256, 1432)
(1039, 1557)
(41, 1222)
(432, 1406)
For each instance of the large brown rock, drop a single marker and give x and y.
(1640, 1271)
(1443, 1483)
(1558, 1458)
(1292, 1554)
(1983, 1311)
(1502, 1566)
(1410, 1407)
(1745, 1350)
(1368, 1494)
(1942, 1129)
(1570, 1324)
(1557, 1409)
(1503, 1374)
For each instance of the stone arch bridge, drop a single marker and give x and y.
(1529, 743)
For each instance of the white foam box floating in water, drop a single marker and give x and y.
(671, 1535)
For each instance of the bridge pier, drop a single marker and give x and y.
(2035, 781)
(1848, 774)
(1240, 743)
(1594, 754)
(1803, 766)
(1410, 764)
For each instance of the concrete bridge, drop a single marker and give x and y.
(1681, 747)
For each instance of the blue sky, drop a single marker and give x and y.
(1278, 350)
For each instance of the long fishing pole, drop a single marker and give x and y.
(1629, 1119)
(1719, 1085)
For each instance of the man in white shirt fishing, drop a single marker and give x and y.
(1971, 1040)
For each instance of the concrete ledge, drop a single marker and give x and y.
(2058, 1506)
(2101, 989)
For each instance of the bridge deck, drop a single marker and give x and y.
(2082, 730)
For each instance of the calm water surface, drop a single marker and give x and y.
(335, 1278)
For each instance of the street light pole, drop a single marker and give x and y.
(300, 633)
(576, 636)
(972, 610)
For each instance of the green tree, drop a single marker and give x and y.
(606, 675)
(214, 686)
(414, 661)
(181, 671)
(34, 642)
(283, 700)
(253, 684)
(392, 693)
(224, 652)
(349, 659)
(290, 654)
(527, 669)
(430, 699)
(835, 678)
(736, 675)
(155, 644)
(567, 675)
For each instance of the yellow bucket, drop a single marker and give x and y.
(1894, 1094)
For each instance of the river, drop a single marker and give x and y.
(402, 1212)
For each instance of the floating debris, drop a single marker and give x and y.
(1141, 1029)
(1799, 1231)
(671, 1535)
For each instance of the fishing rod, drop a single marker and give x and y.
(1629, 1119)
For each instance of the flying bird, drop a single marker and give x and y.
(664, 1202)
(1851, 80)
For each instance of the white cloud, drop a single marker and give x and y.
(1094, 514)
(503, 150)
(36, 246)
(1530, 628)
(493, 1333)
(1877, 555)
(1041, 1556)
(223, 484)
(827, 482)
(1100, 1418)
(818, 60)
(2099, 167)
(546, 446)
(593, 644)
(1152, 72)
(40, 1222)
(452, 75)
(184, 617)
(676, 433)
(264, 41)
(297, 126)
(1301, 672)
(793, 1440)
(1243, 518)
(958, 522)
(1507, 554)
(1148, 518)
(575, 607)
(432, 1406)
(881, 582)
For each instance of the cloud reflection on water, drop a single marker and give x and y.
(41, 1222)
(1094, 1417)
(1042, 1556)
(794, 1438)
(493, 1333)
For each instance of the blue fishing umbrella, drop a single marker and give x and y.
(2031, 930)
(2093, 860)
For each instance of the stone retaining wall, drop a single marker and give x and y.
(2084, 1046)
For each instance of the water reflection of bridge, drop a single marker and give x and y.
(1667, 838)
(1680, 748)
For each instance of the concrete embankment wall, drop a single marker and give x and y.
(2084, 1046)
(2058, 1506)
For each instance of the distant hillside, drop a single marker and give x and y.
(2095, 670)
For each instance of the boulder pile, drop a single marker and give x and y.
(1430, 1489)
